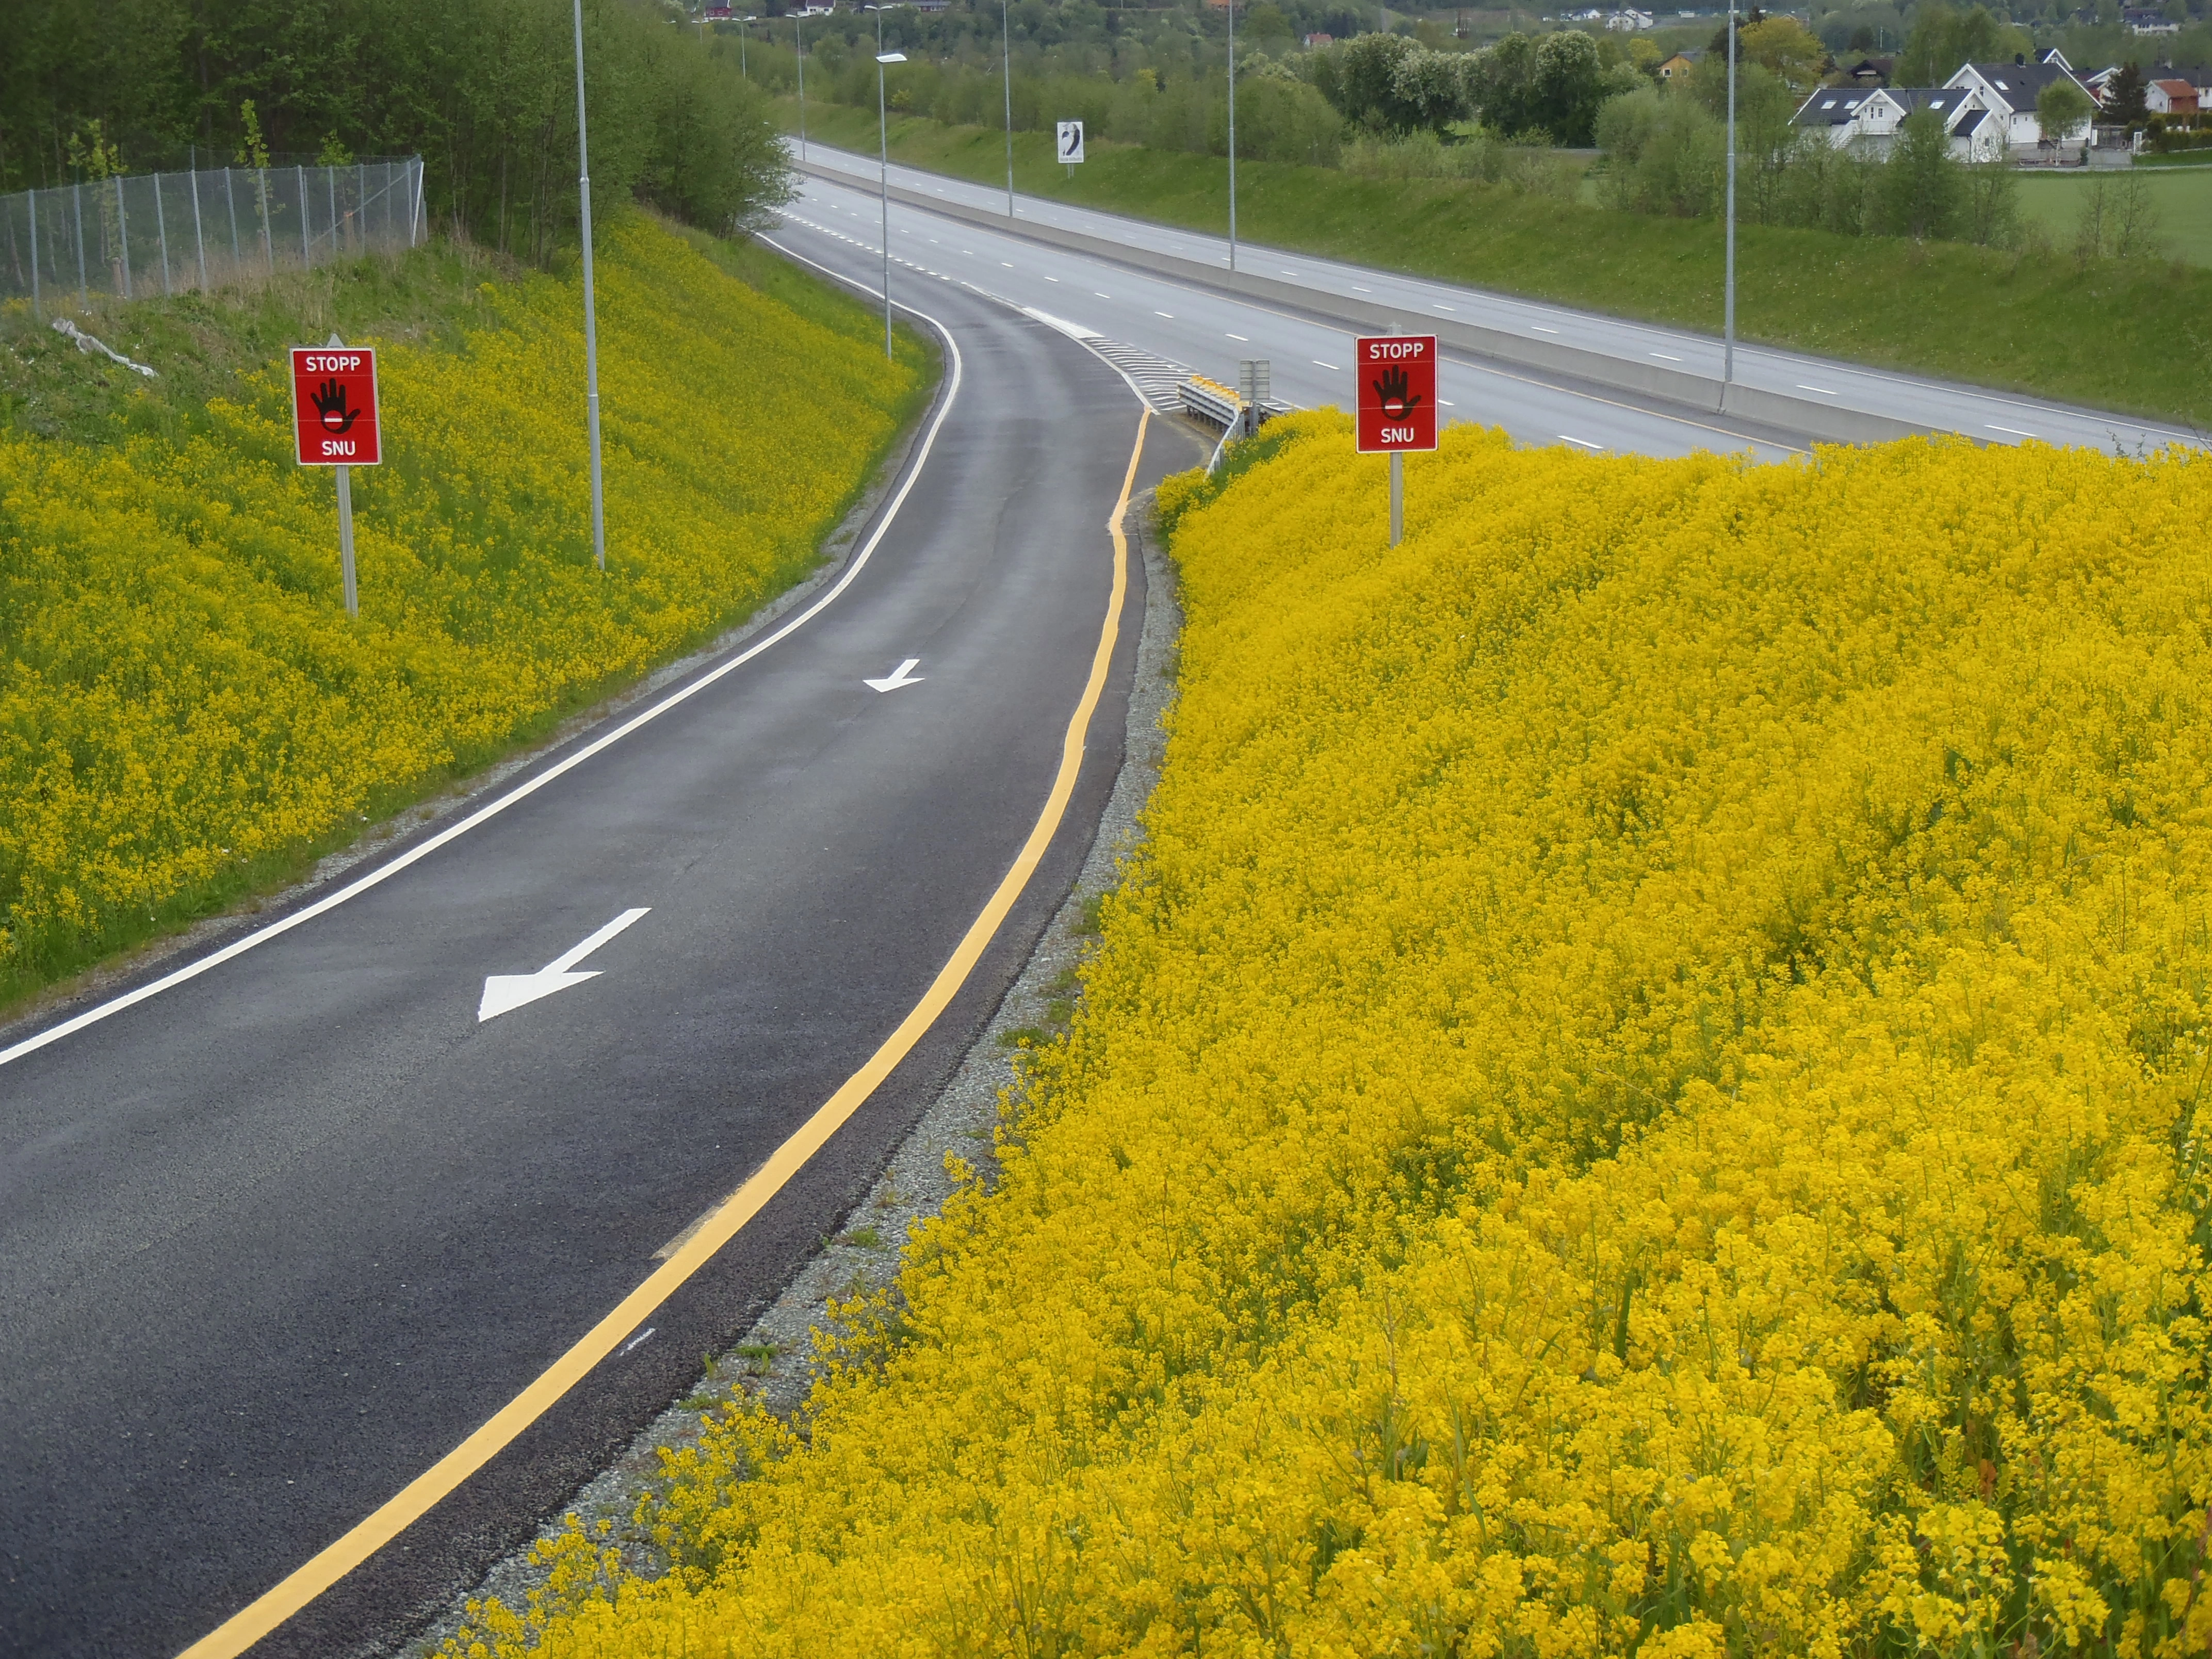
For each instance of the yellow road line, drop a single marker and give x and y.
(248, 1626)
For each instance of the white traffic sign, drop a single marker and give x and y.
(503, 992)
(1071, 141)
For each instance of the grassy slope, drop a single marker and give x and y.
(2127, 336)
(206, 346)
(2184, 198)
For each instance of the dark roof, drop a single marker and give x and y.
(1970, 122)
(1944, 101)
(1831, 107)
(2018, 83)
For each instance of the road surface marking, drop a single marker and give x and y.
(1438, 304)
(638, 1339)
(1317, 363)
(503, 992)
(1668, 356)
(1584, 442)
(2015, 430)
(1541, 329)
(901, 676)
(384, 872)
(1822, 390)
(248, 1626)
(1101, 297)
(1241, 338)
(1169, 315)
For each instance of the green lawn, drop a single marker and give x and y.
(2122, 335)
(2184, 198)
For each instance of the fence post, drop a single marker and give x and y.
(123, 233)
(199, 242)
(162, 229)
(306, 248)
(330, 183)
(77, 193)
(32, 197)
(268, 248)
(415, 219)
(230, 197)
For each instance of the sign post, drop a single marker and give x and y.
(335, 423)
(1070, 147)
(1396, 398)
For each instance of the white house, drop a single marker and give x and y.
(2170, 97)
(1872, 115)
(2010, 91)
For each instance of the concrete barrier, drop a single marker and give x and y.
(1698, 394)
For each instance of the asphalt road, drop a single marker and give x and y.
(276, 1239)
(1529, 408)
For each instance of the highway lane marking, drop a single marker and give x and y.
(1241, 339)
(638, 1340)
(1541, 329)
(1317, 363)
(904, 675)
(1169, 315)
(504, 993)
(384, 872)
(2015, 430)
(1584, 442)
(1668, 356)
(243, 1629)
(1822, 390)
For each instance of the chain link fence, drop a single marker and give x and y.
(164, 233)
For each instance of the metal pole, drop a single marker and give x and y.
(345, 538)
(230, 196)
(414, 228)
(162, 230)
(32, 197)
(1727, 303)
(84, 296)
(345, 523)
(1006, 47)
(199, 240)
(330, 190)
(123, 233)
(306, 247)
(591, 323)
(884, 137)
(1397, 497)
(798, 42)
(1231, 8)
(268, 247)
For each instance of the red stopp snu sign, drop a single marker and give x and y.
(1397, 392)
(334, 406)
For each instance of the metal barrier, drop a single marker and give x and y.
(1213, 402)
(166, 233)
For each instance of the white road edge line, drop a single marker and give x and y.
(384, 872)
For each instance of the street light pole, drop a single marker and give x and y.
(591, 322)
(1231, 8)
(1727, 303)
(883, 59)
(744, 34)
(799, 40)
(1006, 48)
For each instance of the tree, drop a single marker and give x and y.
(1359, 78)
(2124, 98)
(1922, 185)
(1944, 37)
(1552, 86)
(2060, 108)
(1785, 46)
(1429, 89)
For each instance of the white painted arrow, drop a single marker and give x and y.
(504, 992)
(902, 675)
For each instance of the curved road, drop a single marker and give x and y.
(277, 1238)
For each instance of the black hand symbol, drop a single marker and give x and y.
(1391, 389)
(331, 404)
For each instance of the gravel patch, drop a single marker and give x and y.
(775, 1363)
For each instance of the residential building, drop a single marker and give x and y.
(1870, 117)
(2171, 97)
(1871, 71)
(1678, 67)
(2149, 23)
(2010, 91)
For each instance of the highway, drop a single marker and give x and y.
(277, 1237)
(1531, 411)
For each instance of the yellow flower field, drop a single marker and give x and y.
(1640, 1098)
(182, 696)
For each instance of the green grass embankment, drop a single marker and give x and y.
(2128, 335)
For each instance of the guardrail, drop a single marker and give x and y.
(1212, 401)
(1700, 393)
